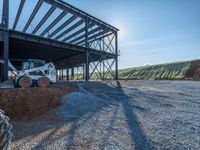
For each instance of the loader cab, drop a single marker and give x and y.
(32, 63)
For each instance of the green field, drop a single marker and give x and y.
(162, 71)
(175, 70)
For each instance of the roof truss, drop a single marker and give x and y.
(73, 30)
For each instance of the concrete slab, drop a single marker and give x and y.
(7, 84)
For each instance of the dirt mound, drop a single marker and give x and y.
(22, 103)
(194, 71)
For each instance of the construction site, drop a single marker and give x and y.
(61, 88)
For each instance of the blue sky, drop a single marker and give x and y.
(152, 31)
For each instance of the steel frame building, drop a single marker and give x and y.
(80, 42)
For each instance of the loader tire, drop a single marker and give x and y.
(43, 82)
(5, 131)
(25, 82)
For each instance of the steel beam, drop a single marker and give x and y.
(70, 29)
(36, 9)
(53, 23)
(94, 36)
(48, 14)
(65, 6)
(65, 47)
(96, 66)
(83, 36)
(101, 37)
(66, 23)
(74, 34)
(18, 13)
(77, 33)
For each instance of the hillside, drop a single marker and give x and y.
(177, 70)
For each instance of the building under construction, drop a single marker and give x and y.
(55, 31)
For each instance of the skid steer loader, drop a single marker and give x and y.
(34, 72)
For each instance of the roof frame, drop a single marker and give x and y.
(21, 6)
(42, 21)
(66, 23)
(65, 6)
(54, 22)
(77, 32)
(36, 9)
(93, 36)
(79, 23)
(101, 37)
(83, 36)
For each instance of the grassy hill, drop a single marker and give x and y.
(177, 70)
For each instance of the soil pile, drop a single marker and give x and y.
(194, 71)
(24, 103)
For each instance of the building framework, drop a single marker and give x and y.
(78, 43)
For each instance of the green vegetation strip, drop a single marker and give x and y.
(163, 71)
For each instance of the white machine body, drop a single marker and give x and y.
(36, 69)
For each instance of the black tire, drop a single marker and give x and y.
(5, 131)
(43, 82)
(24, 82)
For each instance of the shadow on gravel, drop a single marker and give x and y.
(138, 136)
(79, 117)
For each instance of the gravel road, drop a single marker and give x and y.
(123, 115)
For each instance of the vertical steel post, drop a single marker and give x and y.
(72, 73)
(5, 22)
(116, 57)
(100, 60)
(101, 69)
(62, 77)
(83, 71)
(67, 74)
(56, 74)
(103, 59)
(87, 51)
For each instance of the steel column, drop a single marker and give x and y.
(87, 71)
(5, 21)
(67, 74)
(103, 59)
(83, 72)
(56, 74)
(62, 74)
(72, 74)
(116, 57)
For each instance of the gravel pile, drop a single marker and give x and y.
(119, 116)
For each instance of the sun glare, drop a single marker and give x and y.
(122, 28)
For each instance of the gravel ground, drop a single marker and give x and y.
(123, 115)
